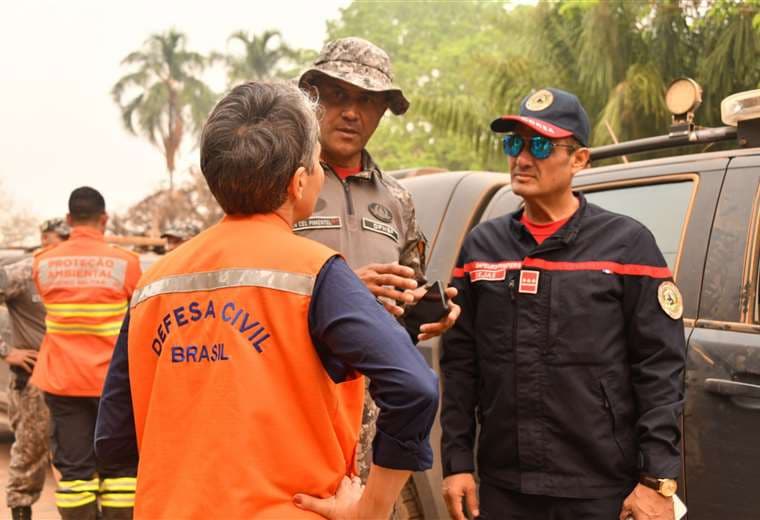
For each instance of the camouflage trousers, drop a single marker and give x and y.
(366, 434)
(30, 422)
(364, 449)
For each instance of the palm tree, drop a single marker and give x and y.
(264, 57)
(618, 56)
(163, 98)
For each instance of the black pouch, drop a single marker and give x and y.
(22, 378)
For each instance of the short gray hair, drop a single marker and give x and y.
(255, 139)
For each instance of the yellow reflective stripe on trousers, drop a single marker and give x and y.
(97, 310)
(65, 486)
(110, 328)
(67, 499)
(117, 500)
(297, 283)
(118, 484)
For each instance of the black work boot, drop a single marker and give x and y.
(85, 512)
(21, 513)
(116, 513)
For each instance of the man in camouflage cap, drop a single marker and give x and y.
(28, 414)
(364, 214)
(179, 234)
(53, 230)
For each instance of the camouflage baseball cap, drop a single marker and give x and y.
(360, 63)
(183, 232)
(58, 225)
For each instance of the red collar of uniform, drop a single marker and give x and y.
(541, 232)
(86, 232)
(344, 173)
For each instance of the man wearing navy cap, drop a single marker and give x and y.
(569, 351)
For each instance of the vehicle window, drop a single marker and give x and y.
(429, 206)
(660, 207)
(756, 310)
(757, 297)
(502, 203)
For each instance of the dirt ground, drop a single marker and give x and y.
(44, 509)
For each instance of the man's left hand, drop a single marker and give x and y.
(647, 504)
(23, 358)
(343, 505)
(431, 330)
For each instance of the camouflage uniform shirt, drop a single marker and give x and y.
(369, 218)
(27, 412)
(25, 307)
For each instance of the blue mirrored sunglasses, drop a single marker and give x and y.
(540, 147)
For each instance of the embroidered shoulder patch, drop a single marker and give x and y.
(379, 227)
(670, 300)
(380, 212)
(318, 223)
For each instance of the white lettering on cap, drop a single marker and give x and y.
(539, 124)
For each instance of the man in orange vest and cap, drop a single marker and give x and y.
(85, 285)
(238, 374)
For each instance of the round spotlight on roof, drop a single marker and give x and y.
(683, 96)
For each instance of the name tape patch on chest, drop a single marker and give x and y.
(379, 227)
(491, 271)
(318, 223)
(528, 282)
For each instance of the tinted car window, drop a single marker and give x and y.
(429, 210)
(660, 207)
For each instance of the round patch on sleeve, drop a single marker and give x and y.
(670, 299)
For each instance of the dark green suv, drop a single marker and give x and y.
(704, 210)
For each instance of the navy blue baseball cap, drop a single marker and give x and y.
(550, 112)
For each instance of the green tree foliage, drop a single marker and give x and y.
(463, 63)
(163, 97)
(431, 45)
(264, 56)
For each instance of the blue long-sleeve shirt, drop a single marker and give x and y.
(352, 333)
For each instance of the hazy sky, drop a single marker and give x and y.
(59, 127)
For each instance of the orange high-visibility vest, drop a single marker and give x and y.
(85, 285)
(234, 412)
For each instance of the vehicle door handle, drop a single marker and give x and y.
(732, 388)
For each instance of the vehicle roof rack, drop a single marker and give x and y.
(661, 142)
(740, 111)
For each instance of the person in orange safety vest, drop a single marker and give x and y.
(243, 356)
(85, 285)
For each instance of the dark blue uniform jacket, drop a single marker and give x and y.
(565, 357)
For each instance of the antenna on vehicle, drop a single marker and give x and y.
(614, 138)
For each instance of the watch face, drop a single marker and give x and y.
(668, 487)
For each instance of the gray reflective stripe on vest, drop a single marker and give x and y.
(297, 283)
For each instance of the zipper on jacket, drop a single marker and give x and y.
(513, 297)
(346, 191)
(349, 202)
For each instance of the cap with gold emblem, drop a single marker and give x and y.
(550, 112)
(670, 300)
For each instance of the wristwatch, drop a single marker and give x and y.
(667, 487)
